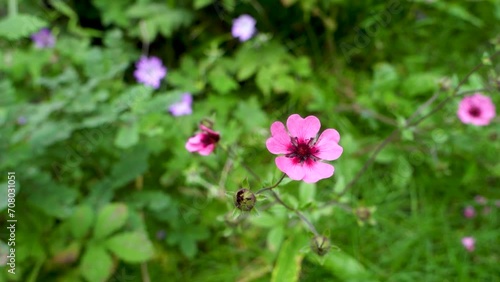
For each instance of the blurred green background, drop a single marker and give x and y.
(106, 190)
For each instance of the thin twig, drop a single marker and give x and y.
(273, 186)
(230, 152)
(298, 213)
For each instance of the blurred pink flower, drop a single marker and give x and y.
(469, 212)
(150, 71)
(182, 107)
(43, 39)
(303, 151)
(480, 199)
(469, 243)
(203, 142)
(243, 27)
(497, 203)
(476, 109)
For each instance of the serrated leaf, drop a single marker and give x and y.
(110, 218)
(132, 247)
(221, 81)
(19, 26)
(81, 221)
(96, 264)
(50, 132)
(131, 164)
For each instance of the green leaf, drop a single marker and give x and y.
(132, 164)
(343, 266)
(221, 81)
(51, 198)
(96, 264)
(51, 132)
(132, 247)
(250, 108)
(128, 135)
(81, 221)
(19, 26)
(198, 4)
(110, 218)
(289, 262)
(418, 84)
(307, 191)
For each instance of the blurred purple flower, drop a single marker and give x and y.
(43, 39)
(160, 235)
(150, 71)
(21, 120)
(469, 243)
(480, 199)
(469, 212)
(243, 27)
(182, 107)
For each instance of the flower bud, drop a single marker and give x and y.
(244, 200)
(365, 215)
(320, 245)
(445, 84)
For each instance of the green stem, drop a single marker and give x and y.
(12, 8)
(271, 187)
(297, 212)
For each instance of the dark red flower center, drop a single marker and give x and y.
(209, 138)
(475, 111)
(302, 150)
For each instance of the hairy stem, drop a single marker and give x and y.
(302, 217)
(271, 187)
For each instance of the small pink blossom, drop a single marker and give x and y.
(476, 109)
(204, 142)
(182, 107)
(150, 71)
(243, 27)
(43, 39)
(469, 243)
(303, 151)
(469, 212)
(480, 199)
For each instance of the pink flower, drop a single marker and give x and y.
(204, 142)
(469, 243)
(469, 212)
(243, 27)
(303, 151)
(182, 107)
(480, 199)
(43, 39)
(476, 109)
(150, 71)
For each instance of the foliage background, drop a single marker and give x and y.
(106, 188)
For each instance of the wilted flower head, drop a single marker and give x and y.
(244, 199)
(469, 212)
(203, 142)
(150, 71)
(476, 109)
(243, 27)
(469, 243)
(183, 107)
(320, 245)
(365, 215)
(44, 39)
(303, 151)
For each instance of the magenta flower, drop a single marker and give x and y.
(476, 109)
(182, 107)
(204, 142)
(150, 71)
(303, 151)
(469, 243)
(43, 39)
(243, 27)
(469, 212)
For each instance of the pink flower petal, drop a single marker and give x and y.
(293, 169)
(207, 150)
(194, 143)
(303, 129)
(316, 171)
(279, 141)
(327, 145)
